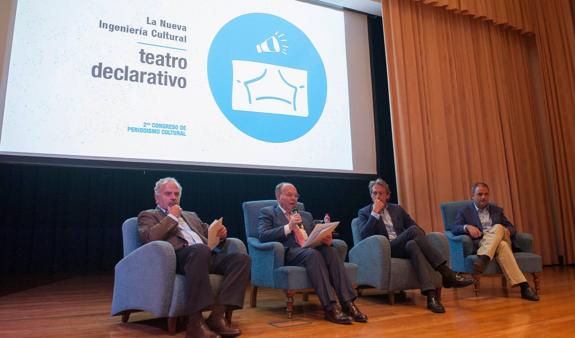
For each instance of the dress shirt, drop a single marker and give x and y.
(287, 229)
(485, 218)
(386, 217)
(190, 235)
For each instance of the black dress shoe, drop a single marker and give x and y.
(335, 315)
(434, 305)
(456, 281)
(529, 294)
(351, 310)
(218, 324)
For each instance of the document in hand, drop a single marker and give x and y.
(213, 230)
(319, 233)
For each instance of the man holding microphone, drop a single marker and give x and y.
(325, 269)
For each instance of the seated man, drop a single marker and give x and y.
(485, 223)
(194, 259)
(407, 240)
(324, 267)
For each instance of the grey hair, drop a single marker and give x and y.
(381, 182)
(477, 185)
(279, 187)
(163, 181)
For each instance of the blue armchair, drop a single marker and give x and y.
(377, 269)
(463, 250)
(145, 278)
(268, 269)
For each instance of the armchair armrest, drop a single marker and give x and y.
(524, 241)
(373, 258)
(150, 267)
(439, 241)
(460, 246)
(266, 257)
(465, 241)
(341, 247)
(233, 245)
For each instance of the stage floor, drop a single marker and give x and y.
(80, 307)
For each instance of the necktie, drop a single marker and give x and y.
(299, 237)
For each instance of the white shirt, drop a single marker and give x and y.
(386, 217)
(287, 229)
(190, 235)
(484, 217)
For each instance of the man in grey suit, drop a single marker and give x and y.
(195, 259)
(492, 233)
(325, 269)
(407, 240)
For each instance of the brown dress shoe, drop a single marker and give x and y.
(197, 328)
(217, 323)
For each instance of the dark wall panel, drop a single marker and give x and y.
(67, 219)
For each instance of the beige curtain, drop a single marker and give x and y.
(478, 94)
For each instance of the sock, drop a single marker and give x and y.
(218, 311)
(445, 271)
(484, 258)
(330, 307)
(523, 285)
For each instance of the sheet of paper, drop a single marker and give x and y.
(319, 233)
(213, 230)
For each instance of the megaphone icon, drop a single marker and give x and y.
(269, 45)
(272, 45)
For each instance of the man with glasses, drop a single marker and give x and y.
(325, 269)
(407, 240)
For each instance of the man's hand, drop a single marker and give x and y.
(328, 240)
(223, 232)
(378, 206)
(507, 236)
(294, 220)
(473, 231)
(175, 210)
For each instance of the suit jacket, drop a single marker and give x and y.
(271, 223)
(469, 215)
(155, 225)
(369, 225)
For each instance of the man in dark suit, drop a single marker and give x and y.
(324, 267)
(195, 259)
(407, 240)
(491, 232)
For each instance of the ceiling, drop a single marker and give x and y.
(365, 6)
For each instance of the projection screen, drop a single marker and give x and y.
(282, 85)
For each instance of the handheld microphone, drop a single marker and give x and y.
(294, 211)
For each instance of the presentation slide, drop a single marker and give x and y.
(254, 84)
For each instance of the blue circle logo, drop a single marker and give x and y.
(267, 77)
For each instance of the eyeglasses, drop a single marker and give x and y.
(378, 193)
(290, 195)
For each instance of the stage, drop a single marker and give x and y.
(80, 307)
